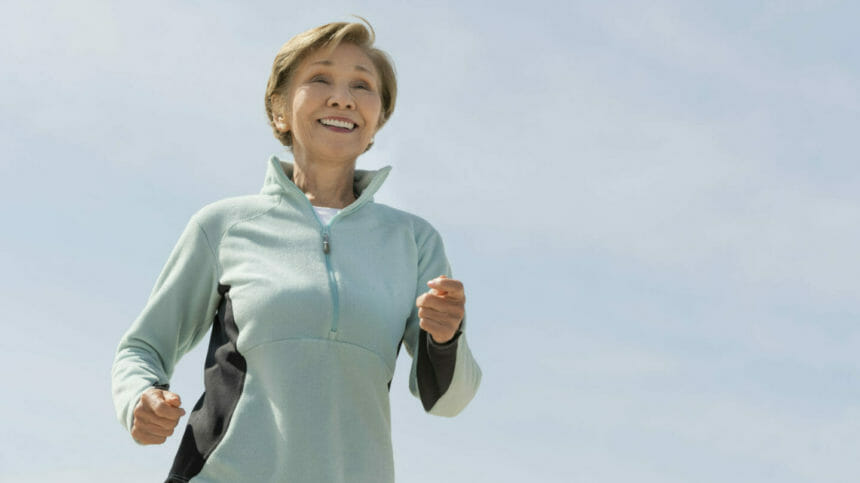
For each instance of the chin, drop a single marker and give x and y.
(330, 151)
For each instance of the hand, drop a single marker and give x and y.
(442, 308)
(155, 416)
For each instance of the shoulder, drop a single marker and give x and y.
(216, 218)
(422, 229)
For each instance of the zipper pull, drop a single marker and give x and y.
(326, 245)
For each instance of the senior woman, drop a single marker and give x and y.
(308, 289)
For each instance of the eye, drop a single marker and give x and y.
(319, 78)
(362, 85)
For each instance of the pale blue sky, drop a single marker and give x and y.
(654, 209)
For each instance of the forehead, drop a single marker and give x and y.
(345, 56)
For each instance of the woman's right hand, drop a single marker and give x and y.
(155, 416)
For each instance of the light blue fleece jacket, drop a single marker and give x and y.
(306, 321)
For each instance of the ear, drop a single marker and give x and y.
(280, 123)
(280, 117)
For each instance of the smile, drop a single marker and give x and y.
(339, 123)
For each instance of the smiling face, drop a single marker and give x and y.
(333, 106)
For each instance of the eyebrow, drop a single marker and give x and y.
(329, 63)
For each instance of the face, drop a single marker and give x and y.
(333, 105)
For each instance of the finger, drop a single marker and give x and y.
(154, 401)
(452, 288)
(443, 304)
(422, 299)
(172, 398)
(431, 326)
(145, 437)
(164, 410)
(436, 291)
(151, 419)
(156, 430)
(438, 332)
(449, 320)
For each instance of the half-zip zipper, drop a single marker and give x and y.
(332, 281)
(325, 243)
(325, 234)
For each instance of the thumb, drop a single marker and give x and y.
(436, 291)
(171, 398)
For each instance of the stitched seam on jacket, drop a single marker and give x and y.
(243, 220)
(247, 350)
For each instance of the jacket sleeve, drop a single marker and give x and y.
(445, 377)
(177, 315)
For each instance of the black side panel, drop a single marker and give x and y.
(395, 358)
(435, 368)
(224, 378)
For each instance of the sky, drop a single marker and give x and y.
(653, 207)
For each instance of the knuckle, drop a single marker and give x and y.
(148, 396)
(158, 407)
(139, 436)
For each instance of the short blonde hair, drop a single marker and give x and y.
(329, 36)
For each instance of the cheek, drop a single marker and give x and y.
(373, 111)
(297, 101)
(302, 98)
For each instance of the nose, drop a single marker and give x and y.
(341, 97)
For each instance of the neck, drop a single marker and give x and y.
(325, 184)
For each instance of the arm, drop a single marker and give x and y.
(176, 316)
(444, 375)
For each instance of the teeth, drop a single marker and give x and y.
(337, 123)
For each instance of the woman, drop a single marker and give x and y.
(308, 289)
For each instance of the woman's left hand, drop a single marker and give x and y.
(442, 308)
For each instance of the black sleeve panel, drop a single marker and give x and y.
(435, 367)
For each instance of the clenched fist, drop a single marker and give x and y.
(442, 308)
(155, 416)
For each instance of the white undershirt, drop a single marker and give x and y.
(325, 213)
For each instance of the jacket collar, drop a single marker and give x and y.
(278, 182)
